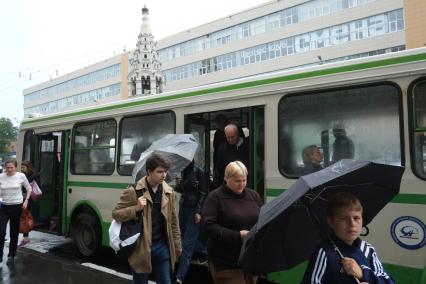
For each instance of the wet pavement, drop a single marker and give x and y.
(42, 261)
(51, 259)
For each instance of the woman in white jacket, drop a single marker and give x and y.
(11, 205)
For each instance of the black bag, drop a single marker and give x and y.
(129, 229)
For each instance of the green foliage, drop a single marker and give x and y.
(8, 133)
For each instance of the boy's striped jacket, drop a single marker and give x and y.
(325, 266)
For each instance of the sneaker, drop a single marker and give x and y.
(178, 281)
(10, 260)
(202, 259)
(24, 242)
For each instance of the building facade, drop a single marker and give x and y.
(274, 36)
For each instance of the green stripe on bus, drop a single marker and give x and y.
(310, 74)
(98, 184)
(404, 198)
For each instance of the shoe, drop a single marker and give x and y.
(202, 259)
(178, 281)
(24, 242)
(10, 260)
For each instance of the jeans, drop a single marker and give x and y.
(189, 232)
(160, 261)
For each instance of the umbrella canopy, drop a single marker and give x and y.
(179, 149)
(286, 234)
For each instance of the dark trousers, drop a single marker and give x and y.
(10, 213)
(189, 233)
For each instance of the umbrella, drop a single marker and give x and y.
(292, 225)
(179, 149)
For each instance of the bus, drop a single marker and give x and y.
(85, 157)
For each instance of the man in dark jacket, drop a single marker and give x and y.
(236, 148)
(193, 188)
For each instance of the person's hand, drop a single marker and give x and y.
(25, 204)
(243, 234)
(197, 218)
(178, 252)
(351, 267)
(141, 203)
(178, 179)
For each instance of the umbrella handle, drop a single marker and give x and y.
(341, 256)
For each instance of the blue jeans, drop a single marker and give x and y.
(160, 261)
(189, 232)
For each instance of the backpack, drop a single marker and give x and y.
(123, 236)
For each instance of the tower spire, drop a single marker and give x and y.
(145, 75)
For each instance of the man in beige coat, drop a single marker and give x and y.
(160, 243)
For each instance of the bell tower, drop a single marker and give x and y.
(145, 76)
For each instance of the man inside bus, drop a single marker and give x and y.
(312, 159)
(343, 147)
(236, 148)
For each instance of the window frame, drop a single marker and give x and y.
(120, 132)
(314, 92)
(412, 125)
(73, 146)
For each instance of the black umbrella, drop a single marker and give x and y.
(294, 223)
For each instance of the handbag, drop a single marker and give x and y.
(36, 191)
(26, 222)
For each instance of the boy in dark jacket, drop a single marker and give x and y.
(360, 260)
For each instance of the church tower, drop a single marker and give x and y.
(145, 77)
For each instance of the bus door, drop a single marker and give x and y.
(51, 160)
(251, 123)
(200, 128)
(257, 147)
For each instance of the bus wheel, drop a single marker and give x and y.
(87, 235)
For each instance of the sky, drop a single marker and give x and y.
(45, 39)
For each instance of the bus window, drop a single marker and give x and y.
(319, 128)
(418, 97)
(137, 134)
(94, 148)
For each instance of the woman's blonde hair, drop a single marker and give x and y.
(236, 168)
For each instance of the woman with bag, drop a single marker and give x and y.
(11, 205)
(28, 170)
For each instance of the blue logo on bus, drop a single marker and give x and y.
(409, 232)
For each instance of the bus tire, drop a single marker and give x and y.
(87, 235)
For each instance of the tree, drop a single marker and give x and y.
(8, 133)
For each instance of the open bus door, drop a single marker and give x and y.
(257, 148)
(251, 120)
(52, 156)
(200, 128)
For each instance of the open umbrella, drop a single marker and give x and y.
(179, 149)
(293, 224)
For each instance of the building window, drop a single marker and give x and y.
(340, 34)
(268, 23)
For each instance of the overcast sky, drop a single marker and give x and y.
(42, 38)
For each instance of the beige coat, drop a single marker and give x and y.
(140, 259)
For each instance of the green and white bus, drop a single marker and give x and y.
(85, 157)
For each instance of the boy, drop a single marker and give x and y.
(159, 245)
(344, 217)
